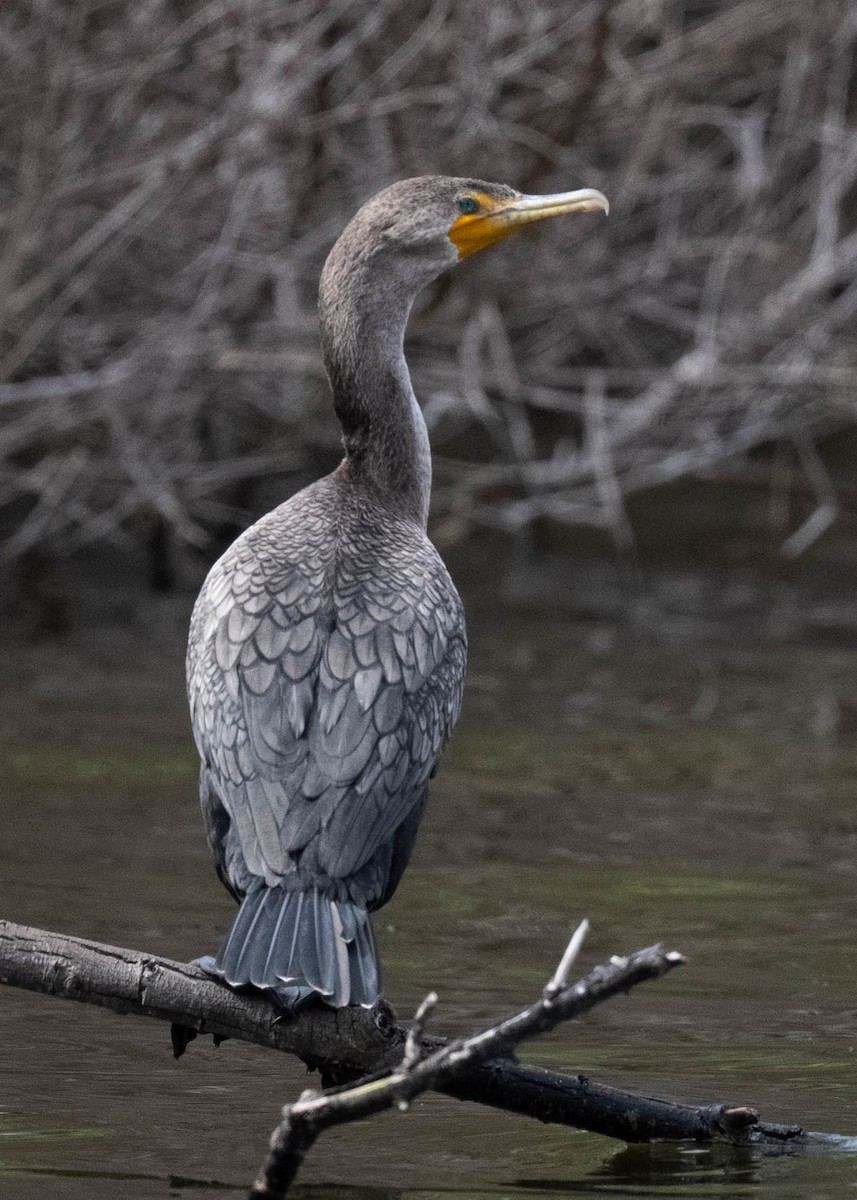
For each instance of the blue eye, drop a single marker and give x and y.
(468, 205)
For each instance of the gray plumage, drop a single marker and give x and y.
(325, 667)
(327, 647)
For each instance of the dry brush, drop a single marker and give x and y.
(171, 176)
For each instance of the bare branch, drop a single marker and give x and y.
(305, 1120)
(559, 981)
(413, 1046)
(825, 492)
(353, 1042)
(160, 247)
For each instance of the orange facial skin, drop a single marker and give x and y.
(497, 218)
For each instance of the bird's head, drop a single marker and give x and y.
(416, 228)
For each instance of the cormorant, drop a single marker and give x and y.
(327, 646)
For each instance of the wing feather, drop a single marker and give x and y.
(325, 673)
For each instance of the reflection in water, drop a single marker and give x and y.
(173, 1182)
(732, 1168)
(724, 1172)
(179, 1184)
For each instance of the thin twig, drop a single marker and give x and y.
(413, 1046)
(560, 978)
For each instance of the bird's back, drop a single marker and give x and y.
(325, 668)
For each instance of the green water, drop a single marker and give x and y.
(697, 790)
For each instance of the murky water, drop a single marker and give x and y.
(675, 780)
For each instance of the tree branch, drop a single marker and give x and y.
(346, 1043)
(314, 1112)
(349, 1041)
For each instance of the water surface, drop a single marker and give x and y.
(687, 784)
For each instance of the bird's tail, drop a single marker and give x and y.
(302, 944)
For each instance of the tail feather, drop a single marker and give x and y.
(306, 957)
(327, 939)
(269, 963)
(286, 949)
(365, 969)
(301, 944)
(244, 935)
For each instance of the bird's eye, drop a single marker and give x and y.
(468, 205)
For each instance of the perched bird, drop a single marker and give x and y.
(327, 646)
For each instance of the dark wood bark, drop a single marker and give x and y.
(350, 1041)
(346, 1043)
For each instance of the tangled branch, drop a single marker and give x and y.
(171, 184)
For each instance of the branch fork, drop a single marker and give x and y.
(304, 1121)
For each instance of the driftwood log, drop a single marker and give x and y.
(349, 1043)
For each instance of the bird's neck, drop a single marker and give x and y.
(362, 320)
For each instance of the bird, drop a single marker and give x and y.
(327, 647)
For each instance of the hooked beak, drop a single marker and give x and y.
(498, 218)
